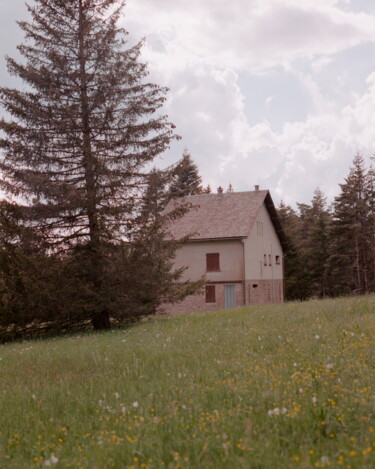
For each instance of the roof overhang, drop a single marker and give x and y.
(212, 240)
(276, 223)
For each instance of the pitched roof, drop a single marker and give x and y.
(223, 216)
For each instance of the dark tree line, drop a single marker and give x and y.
(333, 248)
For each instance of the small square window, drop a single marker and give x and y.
(210, 294)
(213, 262)
(277, 259)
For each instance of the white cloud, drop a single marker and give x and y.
(198, 51)
(248, 35)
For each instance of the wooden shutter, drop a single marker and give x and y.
(213, 262)
(210, 294)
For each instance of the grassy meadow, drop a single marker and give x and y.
(263, 387)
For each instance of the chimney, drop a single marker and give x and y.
(256, 188)
(220, 190)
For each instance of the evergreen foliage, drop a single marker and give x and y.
(186, 178)
(352, 233)
(333, 250)
(75, 149)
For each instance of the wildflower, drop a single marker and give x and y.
(117, 395)
(317, 337)
(135, 404)
(324, 459)
(51, 461)
(314, 399)
(277, 411)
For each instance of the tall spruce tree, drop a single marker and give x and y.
(186, 178)
(297, 286)
(371, 225)
(81, 132)
(314, 243)
(351, 255)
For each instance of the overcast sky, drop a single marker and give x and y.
(279, 93)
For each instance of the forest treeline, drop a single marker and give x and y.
(333, 246)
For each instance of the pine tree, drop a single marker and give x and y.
(314, 243)
(186, 179)
(79, 137)
(148, 275)
(297, 285)
(351, 232)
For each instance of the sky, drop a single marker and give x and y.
(276, 93)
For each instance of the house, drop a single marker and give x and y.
(237, 242)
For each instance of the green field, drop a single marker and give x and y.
(261, 387)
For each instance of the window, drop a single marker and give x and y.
(277, 259)
(265, 259)
(269, 260)
(213, 262)
(210, 294)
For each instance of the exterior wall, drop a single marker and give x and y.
(193, 255)
(264, 291)
(197, 303)
(263, 247)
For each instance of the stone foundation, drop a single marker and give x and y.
(264, 291)
(257, 292)
(197, 303)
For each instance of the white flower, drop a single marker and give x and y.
(324, 459)
(317, 337)
(117, 395)
(295, 364)
(51, 461)
(277, 411)
(314, 399)
(135, 404)
(329, 365)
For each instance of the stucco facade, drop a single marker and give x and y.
(248, 262)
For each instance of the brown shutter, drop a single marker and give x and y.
(210, 294)
(213, 262)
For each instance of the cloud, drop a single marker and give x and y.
(249, 35)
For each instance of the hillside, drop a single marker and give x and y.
(261, 387)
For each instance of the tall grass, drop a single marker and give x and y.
(260, 387)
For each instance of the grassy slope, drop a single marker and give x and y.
(195, 391)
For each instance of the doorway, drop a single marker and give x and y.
(229, 296)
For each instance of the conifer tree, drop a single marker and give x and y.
(314, 243)
(81, 132)
(351, 232)
(186, 179)
(296, 275)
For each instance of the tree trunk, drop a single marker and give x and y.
(100, 319)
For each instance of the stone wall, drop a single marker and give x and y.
(257, 292)
(197, 303)
(264, 291)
